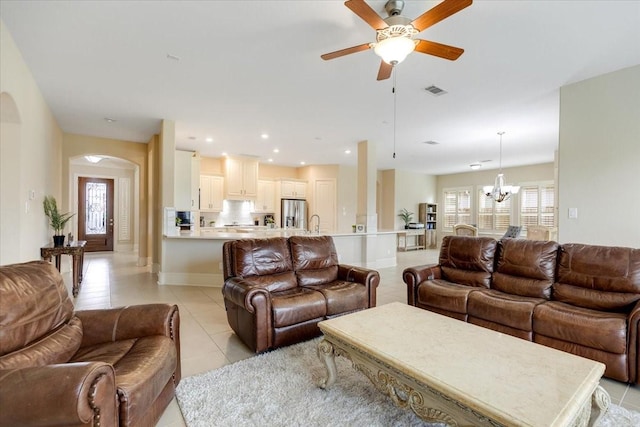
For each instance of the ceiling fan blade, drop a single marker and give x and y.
(343, 52)
(437, 49)
(438, 13)
(385, 71)
(364, 11)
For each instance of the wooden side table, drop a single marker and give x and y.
(76, 250)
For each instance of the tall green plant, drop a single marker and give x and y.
(56, 219)
(406, 216)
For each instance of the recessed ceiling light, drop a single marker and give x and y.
(264, 136)
(303, 163)
(475, 166)
(110, 120)
(275, 150)
(224, 153)
(347, 151)
(270, 160)
(209, 139)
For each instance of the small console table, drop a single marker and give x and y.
(414, 233)
(76, 250)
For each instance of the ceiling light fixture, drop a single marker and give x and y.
(500, 192)
(93, 159)
(275, 150)
(475, 166)
(110, 120)
(394, 49)
(264, 136)
(209, 139)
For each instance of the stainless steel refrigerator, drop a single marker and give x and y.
(294, 214)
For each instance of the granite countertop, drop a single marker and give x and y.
(240, 233)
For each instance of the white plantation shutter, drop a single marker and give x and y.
(537, 205)
(493, 216)
(457, 207)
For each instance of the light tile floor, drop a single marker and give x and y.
(113, 279)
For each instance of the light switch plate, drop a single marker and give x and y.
(573, 213)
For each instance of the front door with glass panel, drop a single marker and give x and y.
(95, 213)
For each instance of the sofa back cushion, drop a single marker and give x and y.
(265, 262)
(525, 267)
(467, 260)
(598, 277)
(315, 259)
(35, 314)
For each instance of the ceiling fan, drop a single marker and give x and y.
(394, 35)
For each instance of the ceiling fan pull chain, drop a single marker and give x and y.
(393, 90)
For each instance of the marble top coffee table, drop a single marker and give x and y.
(460, 374)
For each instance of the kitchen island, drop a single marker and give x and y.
(195, 258)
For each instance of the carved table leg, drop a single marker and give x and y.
(600, 402)
(326, 354)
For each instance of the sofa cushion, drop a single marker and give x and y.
(265, 262)
(525, 267)
(57, 347)
(590, 328)
(598, 277)
(315, 259)
(444, 295)
(467, 260)
(343, 297)
(297, 306)
(511, 310)
(33, 302)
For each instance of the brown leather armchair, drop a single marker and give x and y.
(58, 367)
(277, 290)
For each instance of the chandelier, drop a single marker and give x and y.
(500, 192)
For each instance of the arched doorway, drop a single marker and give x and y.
(106, 193)
(10, 142)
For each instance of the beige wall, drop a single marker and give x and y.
(599, 160)
(30, 158)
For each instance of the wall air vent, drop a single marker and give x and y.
(435, 90)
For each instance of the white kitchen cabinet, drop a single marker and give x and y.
(186, 182)
(266, 198)
(241, 178)
(293, 189)
(211, 193)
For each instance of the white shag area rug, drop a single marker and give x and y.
(279, 389)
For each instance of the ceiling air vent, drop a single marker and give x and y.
(431, 142)
(435, 90)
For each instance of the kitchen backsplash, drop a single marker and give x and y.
(234, 212)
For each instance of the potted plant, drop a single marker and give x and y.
(406, 217)
(57, 221)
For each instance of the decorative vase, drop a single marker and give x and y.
(58, 240)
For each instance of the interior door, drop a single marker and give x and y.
(95, 213)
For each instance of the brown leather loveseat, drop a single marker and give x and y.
(582, 299)
(111, 367)
(276, 290)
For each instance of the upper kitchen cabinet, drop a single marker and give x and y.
(290, 189)
(211, 193)
(241, 178)
(186, 182)
(266, 199)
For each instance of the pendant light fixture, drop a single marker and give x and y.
(500, 192)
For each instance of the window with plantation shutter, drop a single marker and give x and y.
(537, 205)
(493, 216)
(457, 207)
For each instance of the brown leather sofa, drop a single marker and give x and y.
(276, 290)
(582, 299)
(111, 367)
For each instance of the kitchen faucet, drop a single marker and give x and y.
(318, 225)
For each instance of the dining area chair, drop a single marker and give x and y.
(465, 230)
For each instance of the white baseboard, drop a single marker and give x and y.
(191, 279)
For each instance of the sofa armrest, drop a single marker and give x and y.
(413, 276)
(243, 293)
(369, 278)
(64, 394)
(634, 343)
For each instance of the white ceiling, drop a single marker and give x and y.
(249, 67)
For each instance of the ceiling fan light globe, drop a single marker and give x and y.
(394, 50)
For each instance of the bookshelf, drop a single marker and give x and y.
(428, 215)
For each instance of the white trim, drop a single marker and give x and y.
(191, 279)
